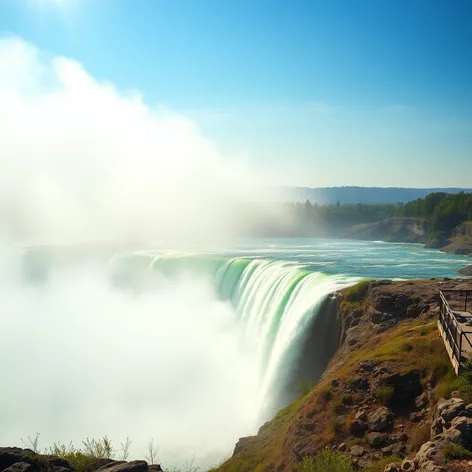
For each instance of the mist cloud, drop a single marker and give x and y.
(82, 160)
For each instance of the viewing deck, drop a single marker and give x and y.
(455, 325)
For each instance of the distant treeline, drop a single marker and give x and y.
(444, 212)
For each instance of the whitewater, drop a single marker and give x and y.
(192, 348)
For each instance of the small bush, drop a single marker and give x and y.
(419, 436)
(98, 448)
(326, 461)
(383, 394)
(80, 461)
(455, 451)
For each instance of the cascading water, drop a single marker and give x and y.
(277, 302)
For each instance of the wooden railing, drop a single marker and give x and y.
(459, 340)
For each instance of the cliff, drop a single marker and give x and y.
(394, 230)
(382, 397)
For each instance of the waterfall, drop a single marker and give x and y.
(278, 304)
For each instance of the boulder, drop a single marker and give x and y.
(368, 366)
(430, 466)
(360, 384)
(357, 427)
(392, 467)
(155, 468)
(376, 439)
(12, 455)
(357, 451)
(380, 419)
(408, 464)
(361, 415)
(428, 452)
(422, 401)
(437, 427)
(133, 466)
(452, 435)
(464, 425)
(21, 467)
(449, 409)
(342, 447)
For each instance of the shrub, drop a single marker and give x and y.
(455, 451)
(80, 461)
(384, 393)
(326, 461)
(419, 436)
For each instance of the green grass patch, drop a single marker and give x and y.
(383, 394)
(419, 435)
(357, 292)
(453, 451)
(380, 465)
(326, 461)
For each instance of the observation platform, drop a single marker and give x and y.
(455, 326)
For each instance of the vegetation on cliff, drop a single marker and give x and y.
(376, 403)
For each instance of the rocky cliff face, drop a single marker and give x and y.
(379, 401)
(464, 229)
(394, 230)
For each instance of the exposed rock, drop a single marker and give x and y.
(12, 455)
(399, 437)
(60, 469)
(430, 466)
(422, 401)
(380, 419)
(358, 427)
(449, 409)
(155, 468)
(368, 366)
(452, 435)
(133, 466)
(392, 467)
(58, 462)
(107, 464)
(429, 451)
(360, 384)
(361, 415)
(342, 447)
(464, 425)
(376, 439)
(21, 467)
(357, 451)
(437, 427)
(408, 464)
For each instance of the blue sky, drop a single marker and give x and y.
(317, 93)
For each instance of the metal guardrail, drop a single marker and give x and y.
(455, 335)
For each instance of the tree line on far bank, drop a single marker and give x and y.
(443, 211)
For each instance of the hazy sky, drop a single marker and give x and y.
(318, 93)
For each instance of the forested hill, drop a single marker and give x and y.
(441, 220)
(365, 195)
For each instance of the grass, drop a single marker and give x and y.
(453, 451)
(357, 292)
(383, 394)
(326, 461)
(450, 383)
(419, 436)
(380, 465)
